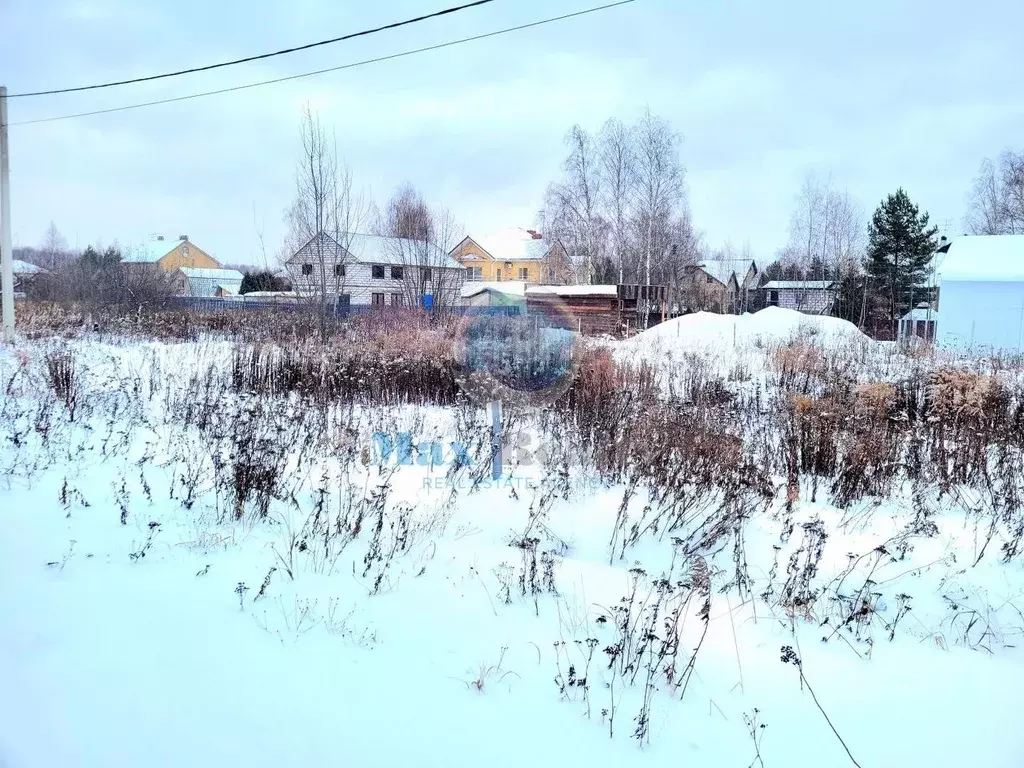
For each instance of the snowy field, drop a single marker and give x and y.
(198, 571)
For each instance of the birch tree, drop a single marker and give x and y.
(660, 185)
(419, 241)
(617, 156)
(996, 200)
(326, 212)
(572, 206)
(53, 253)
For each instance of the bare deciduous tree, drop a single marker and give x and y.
(996, 200)
(827, 238)
(620, 205)
(618, 171)
(572, 206)
(661, 188)
(325, 214)
(685, 250)
(419, 241)
(53, 252)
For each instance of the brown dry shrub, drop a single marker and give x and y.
(799, 359)
(874, 400)
(956, 395)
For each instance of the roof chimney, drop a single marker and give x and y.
(183, 237)
(159, 237)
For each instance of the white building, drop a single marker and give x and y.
(372, 270)
(920, 323)
(815, 297)
(981, 292)
(208, 283)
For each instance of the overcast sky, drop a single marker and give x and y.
(877, 93)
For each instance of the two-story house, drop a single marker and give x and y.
(513, 254)
(187, 268)
(371, 270)
(171, 255)
(721, 285)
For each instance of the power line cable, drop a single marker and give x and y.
(259, 57)
(329, 69)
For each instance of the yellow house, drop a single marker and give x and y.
(514, 254)
(172, 255)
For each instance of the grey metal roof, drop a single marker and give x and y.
(798, 285)
(724, 269)
(205, 282)
(921, 313)
(376, 249)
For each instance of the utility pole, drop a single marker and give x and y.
(6, 256)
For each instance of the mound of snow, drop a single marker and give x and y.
(773, 324)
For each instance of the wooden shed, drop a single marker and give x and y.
(613, 310)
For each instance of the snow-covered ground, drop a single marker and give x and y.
(425, 615)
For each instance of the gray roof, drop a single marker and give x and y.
(205, 282)
(231, 275)
(724, 269)
(798, 285)
(921, 313)
(376, 249)
(24, 268)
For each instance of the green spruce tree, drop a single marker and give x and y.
(900, 248)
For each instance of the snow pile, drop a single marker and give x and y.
(771, 325)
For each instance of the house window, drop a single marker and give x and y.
(307, 269)
(497, 275)
(377, 299)
(426, 274)
(397, 273)
(474, 274)
(184, 251)
(524, 273)
(710, 279)
(339, 270)
(397, 300)
(773, 298)
(377, 271)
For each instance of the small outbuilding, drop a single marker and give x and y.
(981, 292)
(814, 297)
(919, 323)
(208, 283)
(510, 294)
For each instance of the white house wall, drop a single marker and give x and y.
(359, 283)
(812, 301)
(981, 315)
